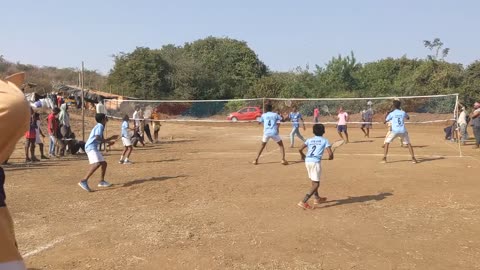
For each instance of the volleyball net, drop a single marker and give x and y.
(421, 109)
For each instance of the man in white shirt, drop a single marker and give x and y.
(462, 123)
(100, 107)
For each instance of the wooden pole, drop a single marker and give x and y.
(83, 102)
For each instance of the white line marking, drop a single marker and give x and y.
(52, 244)
(358, 154)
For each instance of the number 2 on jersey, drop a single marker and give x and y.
(312, 152)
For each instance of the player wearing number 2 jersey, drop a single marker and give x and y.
(271, 123)
(397, 118)
(316, 146)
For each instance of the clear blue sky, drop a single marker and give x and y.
(284, 34)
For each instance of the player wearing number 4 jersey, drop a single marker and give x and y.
(397, 118)
(316, 146)
(271, 124)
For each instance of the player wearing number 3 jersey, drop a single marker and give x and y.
(397, 118)
(271, 124)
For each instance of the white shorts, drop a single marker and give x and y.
(38, 140)
(391, 136)
(126, 142)
(275, 138)
(94, 156)
(314, 169)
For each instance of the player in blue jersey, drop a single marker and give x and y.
(295, 117)
(271, 124)
(397, 118)
(94, 156)
(316, 146)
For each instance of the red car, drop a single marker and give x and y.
(247, 113)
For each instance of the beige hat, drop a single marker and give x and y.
(14, 114)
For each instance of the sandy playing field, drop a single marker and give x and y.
(196, 202)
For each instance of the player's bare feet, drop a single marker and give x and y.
(384, 160)
(414, 161)
(255, 162)
(319, 200)
(284, 162)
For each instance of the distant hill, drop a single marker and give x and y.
(44, 77)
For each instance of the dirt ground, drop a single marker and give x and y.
(195, 201)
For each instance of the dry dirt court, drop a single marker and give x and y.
(195, 202)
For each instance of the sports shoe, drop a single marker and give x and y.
(44, 157)
(127, 162)
(319, 200)
(84, 185)
(104, 183)
(304, 206)
(120, 161)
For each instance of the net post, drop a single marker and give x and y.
(455, 116)
(83, 101)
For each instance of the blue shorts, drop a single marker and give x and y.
(342, 128)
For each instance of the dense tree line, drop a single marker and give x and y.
(214, 68)
(224, 68)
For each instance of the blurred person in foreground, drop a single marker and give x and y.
(14, 122)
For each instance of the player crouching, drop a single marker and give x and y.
(397, 118)
(271, 125)
(316, 146)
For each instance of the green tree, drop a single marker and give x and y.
(436, 46)
(338, 76)
(142, 73)
(470, 90)
(228, 67)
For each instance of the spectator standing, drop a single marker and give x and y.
(476, 124)
(53, 130)
(462, 124)
(316, 115)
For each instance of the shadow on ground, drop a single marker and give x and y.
(358, 199)
(151, 179)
